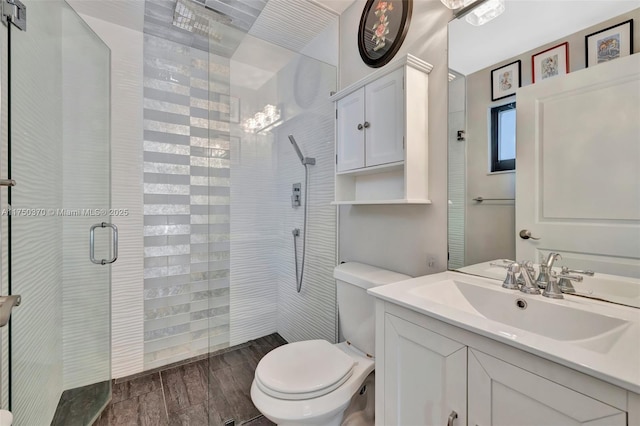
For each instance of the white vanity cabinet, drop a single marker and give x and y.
(429, 380)
(503, 394)
(381, 136)
(426, 369)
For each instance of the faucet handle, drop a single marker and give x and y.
(553, 290)
(511, 281)
(566, 270)
(565, 280)
(528, 265)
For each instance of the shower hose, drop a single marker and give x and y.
(296, 232)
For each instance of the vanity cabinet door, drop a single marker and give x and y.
(350, 131)
(425, 375)
(385, 119)
(503, 394)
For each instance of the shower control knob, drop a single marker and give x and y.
(360, 127)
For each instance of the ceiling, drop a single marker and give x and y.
(338, 6)
(525, 25)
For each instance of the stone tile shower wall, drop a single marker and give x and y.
(186, 202)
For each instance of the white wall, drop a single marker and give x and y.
(403, 238)
(263, 168)
(304, 86)
(126, 192)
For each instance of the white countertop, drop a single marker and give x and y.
(618, 364)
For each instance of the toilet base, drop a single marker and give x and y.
(359, 412)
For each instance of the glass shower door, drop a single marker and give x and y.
(59, 151)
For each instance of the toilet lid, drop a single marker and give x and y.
(303, 370)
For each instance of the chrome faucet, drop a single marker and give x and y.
(545, 269)
(511, 282)
(527, 264)
(529, 285)
(553, 289)
(565, 280)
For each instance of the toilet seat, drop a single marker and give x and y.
(303, 370)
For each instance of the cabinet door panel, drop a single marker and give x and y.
(350, 145)
(385, 114)
(425, 375)
(503, 394)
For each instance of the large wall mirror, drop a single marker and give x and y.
(573, 126)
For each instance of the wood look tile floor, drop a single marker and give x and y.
(205, 392)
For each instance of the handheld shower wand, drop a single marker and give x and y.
(296, 232)
(304, 160)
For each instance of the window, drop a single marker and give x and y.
(503, 137)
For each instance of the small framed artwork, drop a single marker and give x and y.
(383, 27)
(550, 63)
(609, 44)
(505, 80)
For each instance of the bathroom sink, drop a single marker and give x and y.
(598, 338)
(612, 288)
(533, 314)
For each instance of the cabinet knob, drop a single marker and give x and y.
(366, 124)
(360, 127)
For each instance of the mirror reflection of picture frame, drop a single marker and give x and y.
(550, 63)
(609, 44)
(505, 80)
(383, 26)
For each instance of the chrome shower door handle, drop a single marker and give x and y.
(92, 243)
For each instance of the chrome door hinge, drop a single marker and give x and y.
(15, 12)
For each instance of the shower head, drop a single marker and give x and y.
(295, 146)
(304, 160)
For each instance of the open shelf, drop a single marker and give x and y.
(376, 202)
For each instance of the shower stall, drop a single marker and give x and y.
(222, 86)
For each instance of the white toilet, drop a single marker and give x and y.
(313, 382)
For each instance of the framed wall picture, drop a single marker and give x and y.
(550, 63)
(383, 27)
(505, 80)
(609, 44)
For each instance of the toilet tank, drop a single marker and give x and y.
(356, 309)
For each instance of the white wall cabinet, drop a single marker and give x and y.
(381, 136)
(427, 369)
(370, 124)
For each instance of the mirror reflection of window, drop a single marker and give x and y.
(503, 137)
